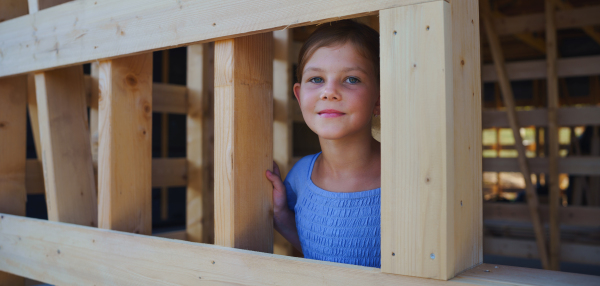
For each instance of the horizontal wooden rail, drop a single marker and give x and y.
(536, 69)
(86, 30)
(565, 19)
(568, 165)
(566, 116)
(569, 252)
(60, 253)
(166, 172)
(569, 216)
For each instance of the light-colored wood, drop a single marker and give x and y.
(200, 134)
(93, 103)
(569, 252)
(66, 156)
(567, 19)
(569, 216)
(282, 123)
(417, 180)
(536, 69)
(87, 30)
(244, 142)
(508, 97)
(33, 114)
(125, 144)
(13, 120)
(566, 116)
(131, 259)
(552, 87)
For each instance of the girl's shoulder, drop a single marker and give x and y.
(301, 170)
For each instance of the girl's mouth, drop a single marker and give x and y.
(329, 113)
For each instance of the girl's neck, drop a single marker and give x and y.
(349, 156)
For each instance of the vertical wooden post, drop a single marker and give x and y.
(552, 82)
(200, 133)
(282, 123)
(67, 159)
(244, 142)
(507, 94)
(94, 75)
(164, 144)
(125, 144)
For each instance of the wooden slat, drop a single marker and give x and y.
(515, 212)
(244, 142)
(86, 30)
(125, 144)
(569, 252)
(200, 132)
(66, 155)
(131, 259)
(166, 172)
(566, 116)
(536, 69)
(33, 115)
(417, 181)
(567, 19)
(568, 165)
(508, 98)
(12, 9)
(93, 104)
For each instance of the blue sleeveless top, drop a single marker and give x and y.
(337, 227)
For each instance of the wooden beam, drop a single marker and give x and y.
(282, 123)
(569, 252)
(536, 69)
(87, 30)
(66, 155)
(569, 165)
(166, 172)
(33, 115)
(588, 29)
(518, 212)
(93, 104)
(125, 144)
(552, 86)
(417, 70)
(200, 133)
(244, 142)
(47, 248)
(566, 19)
(508, 97)
(566, 116)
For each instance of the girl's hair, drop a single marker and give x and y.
(364, 39)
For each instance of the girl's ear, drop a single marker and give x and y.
(297, 91)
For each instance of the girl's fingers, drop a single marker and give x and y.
(276, 169)
(277, 183)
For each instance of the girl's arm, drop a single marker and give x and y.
(284, 220)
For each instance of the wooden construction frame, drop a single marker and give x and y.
(88, 30)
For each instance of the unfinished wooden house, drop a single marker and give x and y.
(91, 84)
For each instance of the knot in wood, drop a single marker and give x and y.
(131, 80)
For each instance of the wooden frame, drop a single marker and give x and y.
(63, 253)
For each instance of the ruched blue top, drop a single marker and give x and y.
(337, 227)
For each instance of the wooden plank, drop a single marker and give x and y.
(536, 69)
(200, 133)
(33, 115)
(94, 112)
(282, 123)
(517, 212)
(87, 30)
(244, 142)
(466, 67)
(166, 172)
(178, 234)
(417, 179)
(552, 86)
(131, 259)
(125, 144)
(508, 98)
(588, 29)
(566, 19)
(566, 116)
(569, 252)
(13, 128)
(66, 155)
(12, 9)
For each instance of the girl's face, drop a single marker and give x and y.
(338, 93)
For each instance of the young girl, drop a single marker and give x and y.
(329, 205)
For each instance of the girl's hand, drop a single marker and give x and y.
(279, 196)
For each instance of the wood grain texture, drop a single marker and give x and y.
(200, 136)
(87, 30)
(244, 142)
(67, 159)
(508, 98)
(13, 128)
(130, 259)
(94, 89)
(417, 178)
(125, 144)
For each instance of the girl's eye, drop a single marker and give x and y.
(352, 80)
(316, 80)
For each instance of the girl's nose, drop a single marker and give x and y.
(330, 92)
